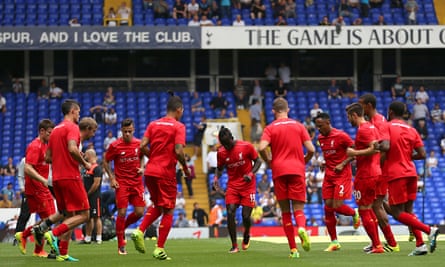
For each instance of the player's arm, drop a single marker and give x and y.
(73, 149)
(256, 165)
(144, 146)
(218, 172)
(264, 153)
(31, 172)
(370, 150)
(48, 156)
(96, 181)
(310, 150)
(113, 182)
(343, 164)
(179, 150)
(420, 153)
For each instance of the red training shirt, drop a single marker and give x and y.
(367, 166)
(35, 156)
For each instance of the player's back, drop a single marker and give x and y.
(163, 135)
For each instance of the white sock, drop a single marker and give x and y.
(87, 238)
(98, 238)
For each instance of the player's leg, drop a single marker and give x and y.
(247, 223)
(231, 226)
(137, 200)
(98, 224)
(331, 222)
(300, 219)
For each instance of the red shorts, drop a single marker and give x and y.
(364, 191)
(381, 188)
(290, 187)
(245, 197)
(162, 191)
(337, 189)
(43, 206)
(130, 195)
(70, 195)
(402, 190)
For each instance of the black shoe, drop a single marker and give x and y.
(52, 256)
(83, 242)
(38, 234)
(14, 243)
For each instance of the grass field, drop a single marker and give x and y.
(213, 253)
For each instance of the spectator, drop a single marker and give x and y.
(436, 113)
(2, 104)
(225, 8)
(257, 93)
(319, 177)
(255, 116)
(9, 169)
(241, 95)
(257, 214)
(354, 3)
(245, 4)
(181, 221)
(263, 185)
(238, 21)
(317, 160)
(8, 196)
(380, 21)
(357, 22)
(111, 117)
(270, 210)
(196, 103)
(124, 13)
(348, 89)
(74, 22)
(375, 3)
(280, 21)
(224, 115)
(396, 4)
(284, 74)
(431, 163)
(148, 4)
(315, 110)
(109, 99)
(344, 9)
(161, 9)
(194, 22)
(109, 139)
(215, 11)
(43, 90)
(279, 9)
(98, 113)
(17, 86)
(281, 91)
(397, 89)
(410, 96)
(411, 8)
(290, 9)
(420, 112)
(211, 160)
(55, 91)
(310, 186)
(180, 202)
(216, 215)
(204, 8)
(364, 8)
(310, 126)
(189, 179)
(205, 21)
(308, 3)
(422, 129)
(422, 94)
(199, 134)
(442, 145)
(258, 10)
(271, 75)
(192, 10)
(111, 18)
(219, 102)
(324, 21)
(179, 10)
(334, 90)
(217, 193)
(199, 215)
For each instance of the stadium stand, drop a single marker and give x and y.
(55, 12)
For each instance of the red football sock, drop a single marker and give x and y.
(37, 248)
(60, 230)
(289, 229)
(131, 218)
(410, 220)
(152, 214)
(419, 238)
(370, 226)
(27, 233)
(345, 210)
(331, 222)
(389, 236)
(63, 247)
(120, 230)
(164, 229)
(300, 219)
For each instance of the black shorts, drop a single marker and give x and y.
(95, 206)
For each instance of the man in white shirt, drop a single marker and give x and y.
(55, 91)
(194, 22)
(238, 21)
(124, 13)
(2, 104)
(205, 21)
(284, 73)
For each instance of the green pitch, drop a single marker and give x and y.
(213, 253)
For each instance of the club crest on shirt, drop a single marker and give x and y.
(240, 156)
(227, 159)
(332, 143)
(122, 153)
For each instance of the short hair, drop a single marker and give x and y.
(225, 133)
(68, 105)
(280, 104)
(127, 122)
(355, 108)
(174, 102)
(46, 124)
(87, 123)
(398, 108)
(91, 151)
(369, 99)
(323, 116)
